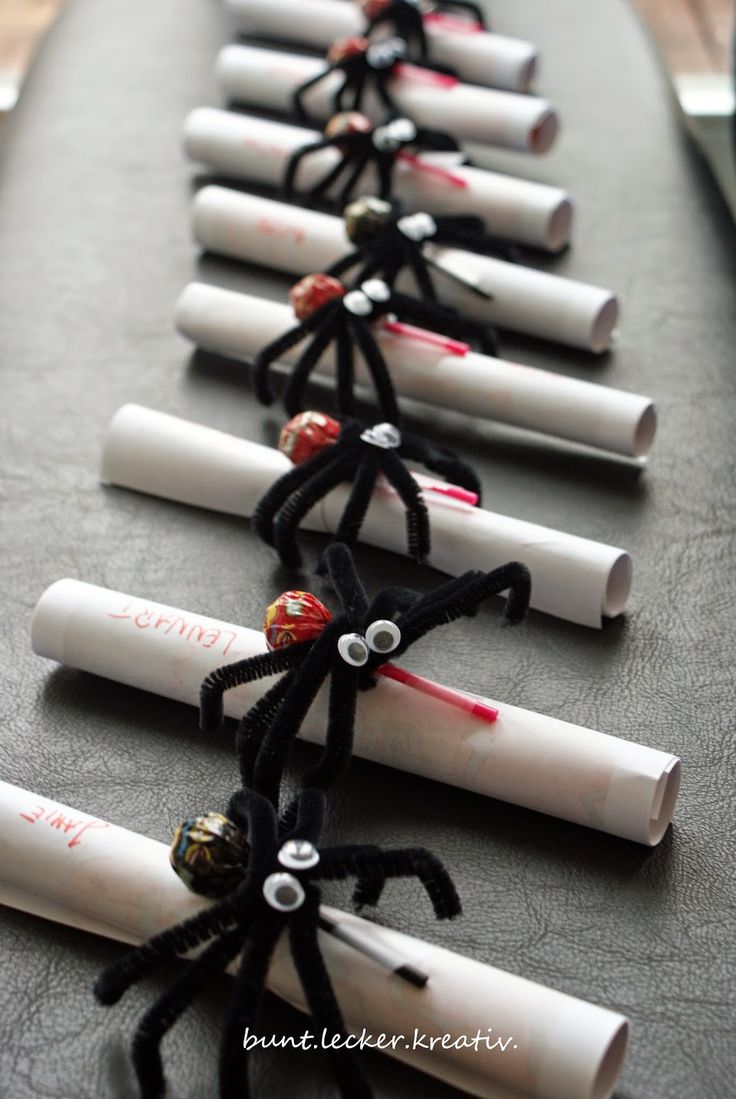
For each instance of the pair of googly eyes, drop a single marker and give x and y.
(390, 138)
(361, 302)
(284, 891)
(382, 636)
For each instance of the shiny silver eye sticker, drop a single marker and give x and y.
(384, 435)
(283, 892)
(383, 636)
(353, 649)
(376, 289)
(298, 855)
(358, 303)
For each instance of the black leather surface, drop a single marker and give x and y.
(94, 249)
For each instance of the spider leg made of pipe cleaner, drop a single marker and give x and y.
(321, 999)
(417, 515)
(284, 343)
(328, 331)
(320, 662)
(373, 866)
(228, 676)
(358, 502)
(254, 724)
(274, 499)
(459, 598)
(345, 373)
(323, 661)
(440, 460)
(376, 364)
(301, 502)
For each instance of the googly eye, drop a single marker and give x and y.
(403, 129)
(358, 303)
(376, 289)
(353, 649)
(298, 855)
(384, 140)
(283, 892)
(417, 227)
(383, 636)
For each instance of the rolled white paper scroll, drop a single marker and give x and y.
(299, 242)
(65, 865)
(161, 455)
(258, 149)
(476, 56)
(239, 325)
(525, 758)
(268, 78)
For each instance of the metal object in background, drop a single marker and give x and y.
(696, 41)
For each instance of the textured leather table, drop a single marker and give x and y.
(94, 249)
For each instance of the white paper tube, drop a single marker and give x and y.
(572, 577)
(524, 758)
(478, 58)
(268, 78)
(298, 242)
(258, 149)
(63, 864)
(239, 325)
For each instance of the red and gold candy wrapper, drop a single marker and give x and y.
(305, 434)
(312, 292)
(294, 616)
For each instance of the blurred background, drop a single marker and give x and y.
(695, 40)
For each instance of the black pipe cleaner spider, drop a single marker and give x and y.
(359, 454)
(272, 886)
(363, 64)
(388, 241)
(362, 144)
(406, 18)
(328, 312)
(308, 646)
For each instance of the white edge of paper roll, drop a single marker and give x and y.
(246, 147)
(602, 782)
(564, 1047)
(298, 241)
(161, 455)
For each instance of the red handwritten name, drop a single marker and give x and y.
(54, 818)
(275, 229)
(194, 632)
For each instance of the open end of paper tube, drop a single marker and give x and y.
(543, 134)
(527, 73)
(604, 324)
(611, 1064)
(559, 226)
(645, 431)
(663, 805)
(618, 586)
